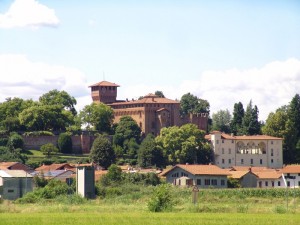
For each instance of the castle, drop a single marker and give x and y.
(151, 112)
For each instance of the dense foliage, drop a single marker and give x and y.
(49, 149)
(64, 143)
(190, 103)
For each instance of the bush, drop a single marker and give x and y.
(65, 143)
(3, 141)
(162, 199)
(15, 141)
(38, 133)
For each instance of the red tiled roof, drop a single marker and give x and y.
(105, 83)
(269, 174)
(55, 167)
(6, 165)
(200, 169)
(148, 99)
(244, 137)
(238, 174)
(291, 169)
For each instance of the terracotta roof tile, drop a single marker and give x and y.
(200, 169)
(55, 167)
(105, 83)
(269, 174)
(244, 137)
(6, 165)
(238, 174)
(291, 169)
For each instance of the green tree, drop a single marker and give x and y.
(15, 141)
(97, 116)
(237, 120)
(162, 199)
(64, 143)
(114, 173)
(160, 94)
(250, 124)
(49, 149)
(221, 121)
(192, 104)
(149, 154)
(102, 152)
(62, 98)
(46, 117)
(185, 144)
(126, 129)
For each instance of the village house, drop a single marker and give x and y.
(151, 112)
(256, 150)
(203, 176)
(291, 174)
(15, 183)
(14, 166)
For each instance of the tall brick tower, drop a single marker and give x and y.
(105, 92)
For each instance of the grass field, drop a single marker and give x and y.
(148, 218)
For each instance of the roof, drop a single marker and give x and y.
(105, 83)
(291, 169)
(150, 98)
(54, 166)
(268, 174)
(238, 174)
(199, 170)
(248, 168)
(243, 137)
(14, 173)
(6, 165)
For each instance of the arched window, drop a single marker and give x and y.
(240, 147)
(262, 148)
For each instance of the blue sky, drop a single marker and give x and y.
(222, 51)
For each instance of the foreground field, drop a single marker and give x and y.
(148, 218)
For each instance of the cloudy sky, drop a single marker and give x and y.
(223, 51)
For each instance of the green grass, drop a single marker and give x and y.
(148, 218)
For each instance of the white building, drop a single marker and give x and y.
(256, 150)
(292, 175)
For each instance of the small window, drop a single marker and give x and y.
(271, 142)
(214, 182)
(10, 191)
(229, 151)
(222, 150)
(217, 141)
(298, 183)
(272, 183)
(198, 181)
(251, 161)
(207, 182)
(222, 182)
(272, 152)
(260, 162)
(223, 161)
(278, 184)
(266, 183)
(242, 161)
(272, 160)
(229, 161)
(288, 184)
(222, 141)
(232, 141)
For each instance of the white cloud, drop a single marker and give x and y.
(28, 13)
(25, 79)
(269, 87)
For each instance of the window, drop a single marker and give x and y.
(222, 141)
(217, 141)
(10, 191)
(260, 162)
(232, 141)
(229, 161)
(298, 183)
(271, 142)
(222, 182)
(207, 182)
(278, 184)
(266, 183)
(223, 161)
(288, 184)
(222, 150)
(198, 181)
(272, 152)
(272, 160)
(242, 161)
(175, 175)
(214, 182)
(251, 161)
(229, 151)
(272, 183)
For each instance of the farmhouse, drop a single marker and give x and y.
(151, 112)
(14, 166)
(204, 176)
(257, 150)
(14, 184)
(291, 174)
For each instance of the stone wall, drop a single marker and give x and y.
(81, 143)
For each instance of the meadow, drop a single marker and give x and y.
(232, 206)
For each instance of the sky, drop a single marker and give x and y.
(223, 51)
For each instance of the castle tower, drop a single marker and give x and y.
(105, 92)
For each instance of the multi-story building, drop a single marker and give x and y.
(256, 150)
(151, 112)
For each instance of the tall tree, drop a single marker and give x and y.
(237, 120)
(221, 121)
(97, 116)
(184, 144)
(149, 154)
(192, 104)
(55, 97)
(251, 125)
(102, 152)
